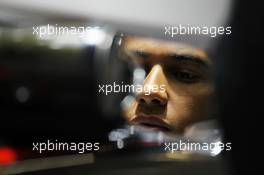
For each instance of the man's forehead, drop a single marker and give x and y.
(161, 48)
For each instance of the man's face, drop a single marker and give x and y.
(184, 74)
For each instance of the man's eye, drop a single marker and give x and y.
(185, 76)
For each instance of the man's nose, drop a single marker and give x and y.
(154, 86)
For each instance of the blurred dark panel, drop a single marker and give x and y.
(48, 92)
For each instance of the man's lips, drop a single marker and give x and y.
(153, 122)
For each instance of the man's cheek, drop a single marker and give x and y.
(202, 89)
(203, 107)
(180, 111)
(130, 111)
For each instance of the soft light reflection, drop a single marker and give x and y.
(93, 36)
(22, 94)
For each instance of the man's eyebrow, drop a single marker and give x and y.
(188, 58)
(176, 57)
(141, 53)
